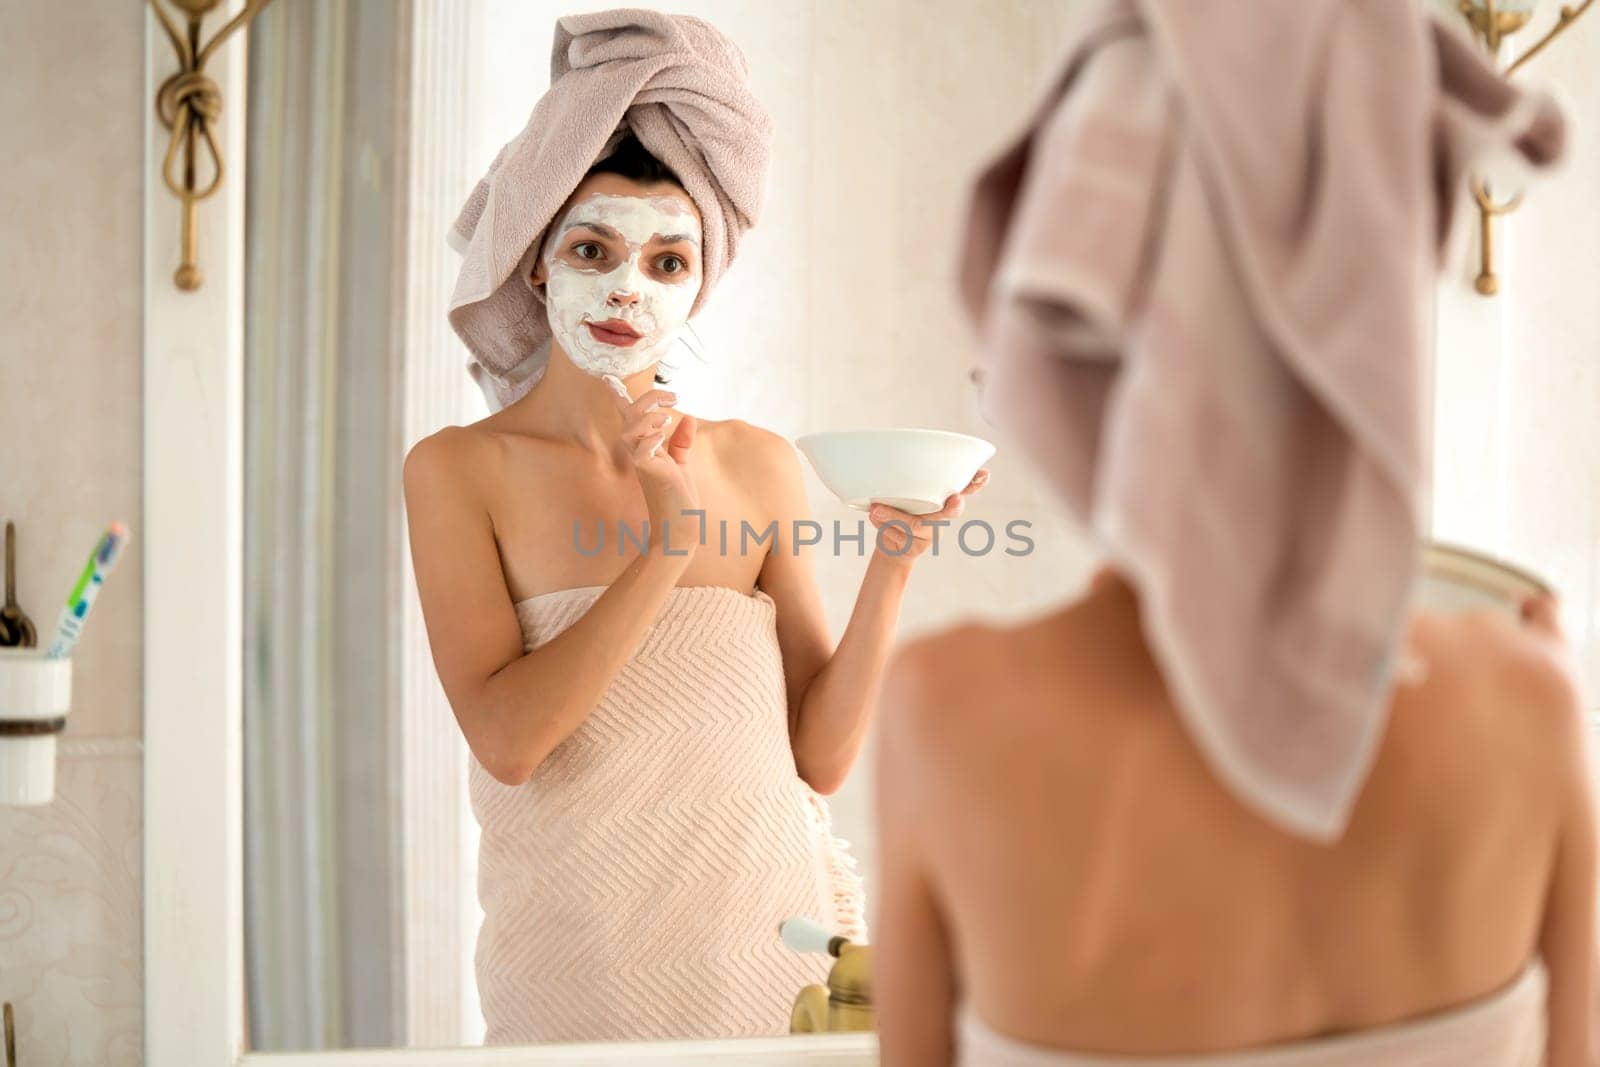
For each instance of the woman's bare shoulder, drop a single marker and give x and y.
(1504, 662)
(478, 453)
(451, 457)
(929, 698)
(1508, 693)
(940, 684)
(759, 461)
(743, 445)
(952, 657)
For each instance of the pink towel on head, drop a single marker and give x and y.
(683, 89)
(1200, 277)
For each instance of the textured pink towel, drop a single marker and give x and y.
(1201, 280)
(632, 889)
(683, 90)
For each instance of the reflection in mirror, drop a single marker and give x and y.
(502, 787)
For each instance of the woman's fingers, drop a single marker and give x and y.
(882, 513)
(646, 420)
(1542, 613)
(919, 526)
(1103, 575)
(651, 399)
(682, 439)
(645, 401)
(655, 421)
(645, 448)
(954, 504)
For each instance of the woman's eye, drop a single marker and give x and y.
(672, 264)
(594, 251)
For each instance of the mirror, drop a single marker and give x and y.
(373, 835)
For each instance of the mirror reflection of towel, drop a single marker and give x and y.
(1201, 280)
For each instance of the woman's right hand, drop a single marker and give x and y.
(662, 464)
(1543, 613)
(1540, 618)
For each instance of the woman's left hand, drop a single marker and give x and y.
(892, 523)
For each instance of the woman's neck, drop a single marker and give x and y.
(573, 405)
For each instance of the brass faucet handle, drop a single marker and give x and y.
(807, 935)
(850, 980)
(11, 1036)
(846, 1002)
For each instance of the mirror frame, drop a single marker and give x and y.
(193, 830)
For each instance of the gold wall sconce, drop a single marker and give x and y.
(1493, 21)
(189, 104)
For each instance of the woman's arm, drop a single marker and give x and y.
(1567, 940)
(513, 707)
(1546, 680)
(913, 968)
(832, 690)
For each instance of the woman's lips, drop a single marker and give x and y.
(620, 336)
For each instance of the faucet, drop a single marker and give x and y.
(845, 1003)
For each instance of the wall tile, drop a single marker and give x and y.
(70, 919)
(71, 258)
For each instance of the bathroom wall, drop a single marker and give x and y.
(1517, 376)
(72, 112)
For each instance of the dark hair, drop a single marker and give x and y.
(632, 160)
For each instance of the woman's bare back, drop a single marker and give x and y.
(1101, 891)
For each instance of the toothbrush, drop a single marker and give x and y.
(101, 561)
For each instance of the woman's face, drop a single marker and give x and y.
(621, 269)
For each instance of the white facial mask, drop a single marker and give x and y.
(654, 306)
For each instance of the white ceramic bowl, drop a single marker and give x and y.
(913, 470)
(1460, 579)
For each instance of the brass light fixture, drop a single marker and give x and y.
(1493, 21)
(189, 104)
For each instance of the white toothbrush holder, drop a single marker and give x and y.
(35, 695)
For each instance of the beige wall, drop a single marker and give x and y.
(1517, 397)
(71, 203)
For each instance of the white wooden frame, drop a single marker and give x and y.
(194, 991)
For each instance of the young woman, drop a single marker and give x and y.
(651, 718)
(1200, 815)
(1071, 875)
